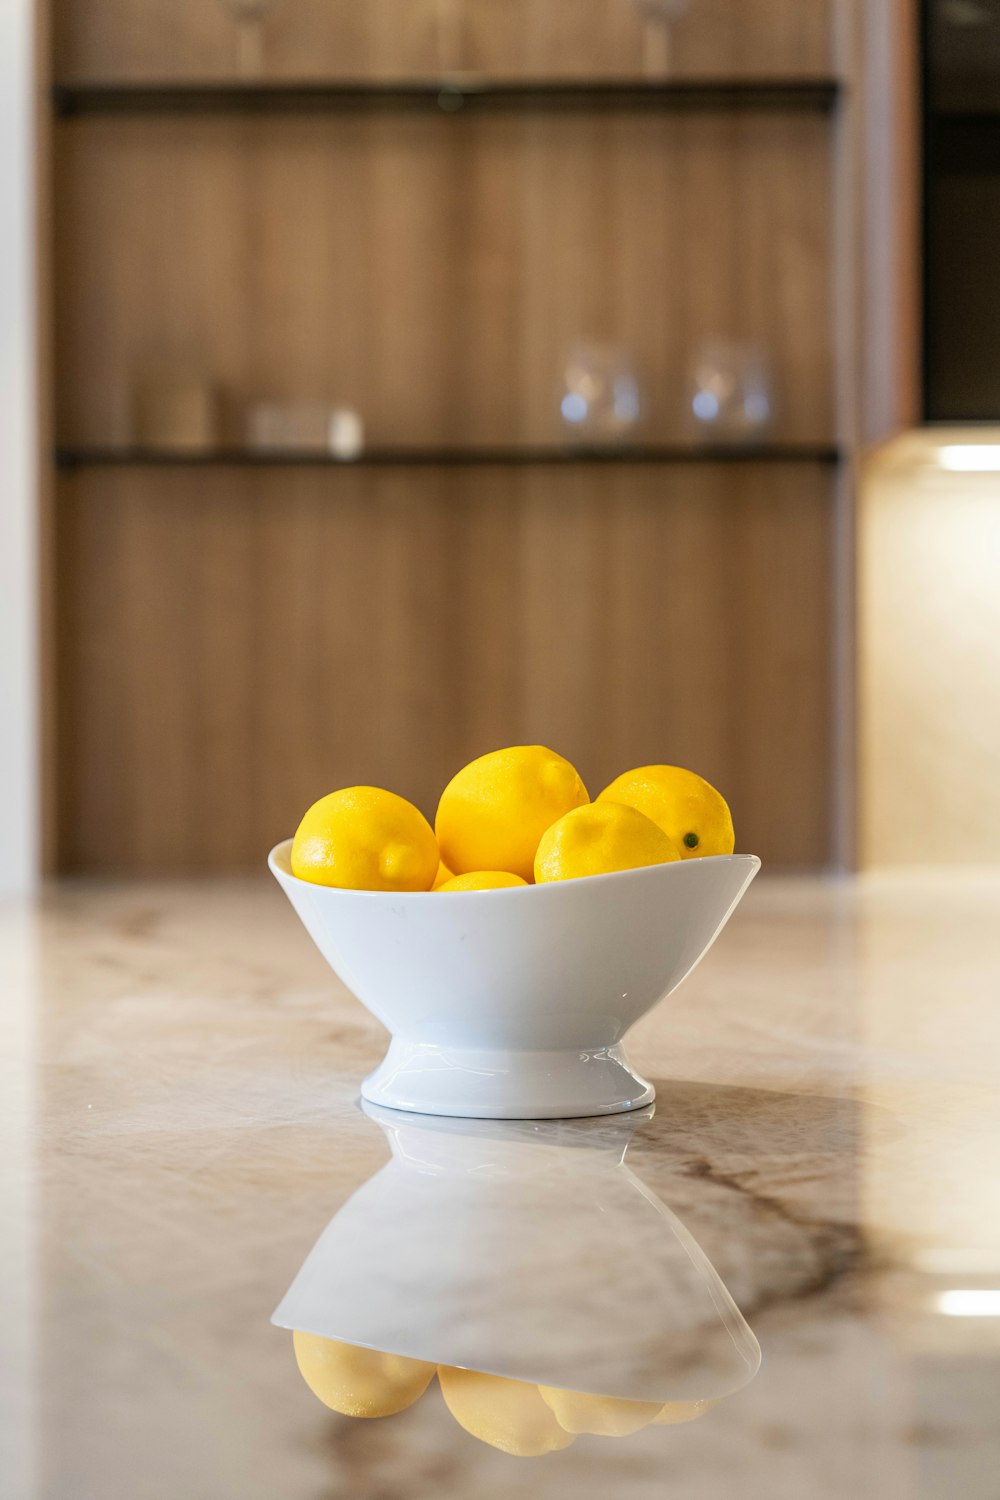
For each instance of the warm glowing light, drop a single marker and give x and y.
(971, 458)
(970, 1302)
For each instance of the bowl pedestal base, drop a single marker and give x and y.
(504, 1084)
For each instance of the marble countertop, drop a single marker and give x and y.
(180, 1127)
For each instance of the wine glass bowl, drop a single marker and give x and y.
(601, 400)
(249, 17)
(730, 396)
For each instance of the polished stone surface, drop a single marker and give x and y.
(179, 1079)
(604, 1291)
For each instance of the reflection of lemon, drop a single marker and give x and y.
(359, 1382)
(364, 839)
(442, 875)
(492, 814)
(607, 1416)
(681, 1411)
(684, 805)
(481, 880)
(598, 839)
(508, 1414)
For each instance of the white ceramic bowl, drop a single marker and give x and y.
(513, 1004)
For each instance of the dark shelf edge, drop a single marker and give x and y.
(448, 96)
(68, 458)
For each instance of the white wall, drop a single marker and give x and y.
(18, 457)
(929, 639)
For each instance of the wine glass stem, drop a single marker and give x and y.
(449, 36)
(656, 47)
(250, 48)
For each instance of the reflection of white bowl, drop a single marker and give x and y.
(513, 1004)
(530, 1251)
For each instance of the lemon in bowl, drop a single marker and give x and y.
(482, 880)
(365, 839)
(494, 811)
(686, 806)
(598, 840)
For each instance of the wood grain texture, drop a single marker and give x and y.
(233, 643)
(232, 649)
(888, 385)
(47, 530)
(435, 273)
(132, 39)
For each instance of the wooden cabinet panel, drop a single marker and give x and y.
(233, 642)
(434, 273)
(132, 39)
(233, 645)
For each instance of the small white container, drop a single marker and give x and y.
(514, 1004)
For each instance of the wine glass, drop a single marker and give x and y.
(601, 400)
(449, 29)
(249, 16)
(730, 393)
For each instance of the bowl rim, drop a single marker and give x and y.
(279, 863)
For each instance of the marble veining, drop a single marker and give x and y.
(179, 1079)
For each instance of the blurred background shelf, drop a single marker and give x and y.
(449, 96)
(385, 41)
(498, 457)
(436, 280)
(229, 242)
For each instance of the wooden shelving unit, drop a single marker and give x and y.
(446, 458)
(425, 247)
(449, 96)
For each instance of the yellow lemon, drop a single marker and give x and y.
(507, 1414)
(606, 1416)
(442, 875)
(364, 839)
(681, 1411)
(600, 838)
(481, 880)
(492, 814)
(359, 1382)
(684, 805)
